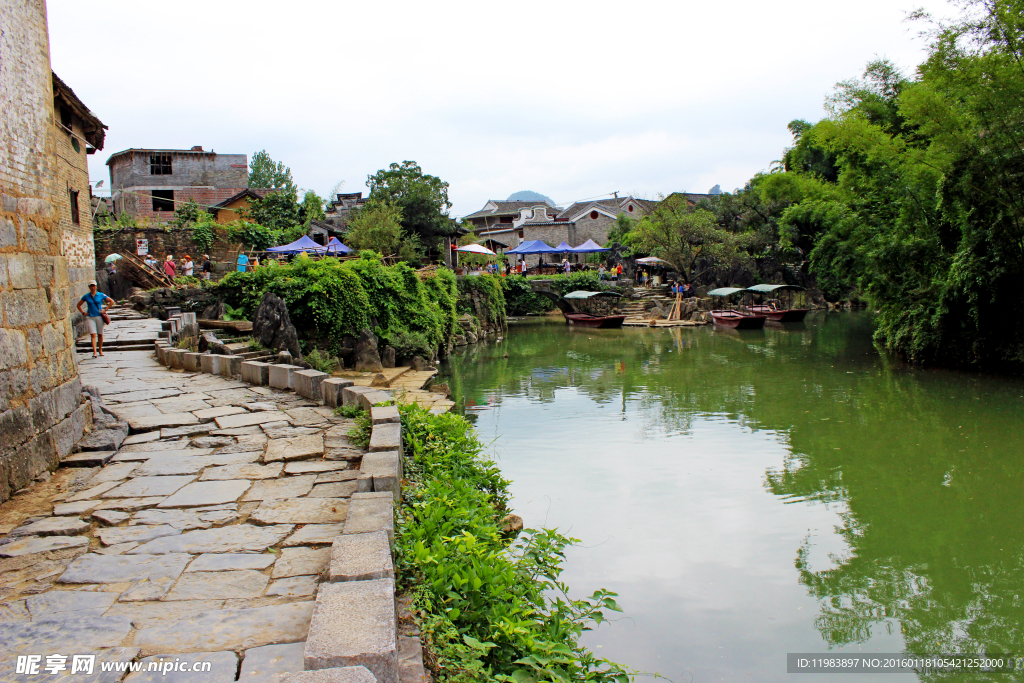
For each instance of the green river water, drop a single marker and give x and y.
(751, 494)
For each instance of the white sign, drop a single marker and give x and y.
(142, 247)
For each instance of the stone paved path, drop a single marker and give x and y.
(206, 533)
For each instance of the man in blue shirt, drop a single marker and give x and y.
(94, 303)
(243, 261)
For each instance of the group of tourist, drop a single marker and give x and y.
(613, 273)
(170, 267)
(686, 289)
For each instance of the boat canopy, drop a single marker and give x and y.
(726, 291)
(581, 294)
(532, 247)
(768, 289)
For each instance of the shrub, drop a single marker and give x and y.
(360, 431)
(489, 288)
(409, 344)
(520, 299)
(329, 299)
(321, 360)
(491, 608)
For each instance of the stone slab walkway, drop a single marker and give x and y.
(206, 535)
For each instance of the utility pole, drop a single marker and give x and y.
(616, 193)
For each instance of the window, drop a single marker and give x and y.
(631, 208)
(505, 219)
(73, 196)
(163, 200)
(65, 117)
(160, 164)
(593, 215)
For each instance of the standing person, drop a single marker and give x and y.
(187, 266)
(243, 262)
(618, 272)
(169, 268)
(207, 267)
(95, 303)
(255, 262)
(508, 267)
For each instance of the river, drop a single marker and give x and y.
(753, 494)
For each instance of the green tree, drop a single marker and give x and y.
(276, 211)
(422, 199)
(312, 208)
(190, 215)
(265, 172)
(254, 236)
(378, 227)
(690, 240)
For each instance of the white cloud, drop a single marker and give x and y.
(568, 99)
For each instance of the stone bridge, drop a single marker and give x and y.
(546, 288)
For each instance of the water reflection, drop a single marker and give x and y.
(758, 492)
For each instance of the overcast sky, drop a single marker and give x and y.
(570, 99)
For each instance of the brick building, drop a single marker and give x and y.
(41, 411)
(150, 183)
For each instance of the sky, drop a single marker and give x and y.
(572, 100)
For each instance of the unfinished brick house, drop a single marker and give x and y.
(42, 415)
(151, 183)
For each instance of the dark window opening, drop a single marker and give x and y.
(631, 208)
(73, 196)
(65, 117)
(163, 200)
(160, 164)
(593, 215)
(505, 219)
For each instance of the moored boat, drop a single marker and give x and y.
(775, 310)
(738, 320)
(600, 321)
(728, 317)
(584, 319)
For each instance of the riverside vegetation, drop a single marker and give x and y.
(909, 194)
(491, 607)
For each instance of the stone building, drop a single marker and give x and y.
(337, 213)
(42, 414)
(78, 133)
(512, 223)
(150, 183)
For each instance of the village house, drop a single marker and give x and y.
(45, 234)
(507, 224)
(232, 208)
(77, 133)
(152, 183)
(337, 213)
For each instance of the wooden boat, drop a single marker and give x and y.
(606, 322)
(575, 317)
(775, 310)
(780, 315)
(738, 320)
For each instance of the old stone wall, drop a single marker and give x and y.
(162, 242)
(41, 411)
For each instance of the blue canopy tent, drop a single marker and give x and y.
(563, 247)
(589, 247)
(533, 247)
(304, 243)
(334, 246)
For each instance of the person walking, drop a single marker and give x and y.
(169, 267)
(187, 266)
(95, 303)
(207, 267)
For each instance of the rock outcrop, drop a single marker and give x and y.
(272, 327)
(366, 357)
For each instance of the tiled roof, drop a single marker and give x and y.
(504, 208)
(92, 126)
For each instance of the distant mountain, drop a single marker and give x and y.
(530, 196)
(717, 189)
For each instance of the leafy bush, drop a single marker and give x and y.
(187, 281)
(491, 608)
(520, 299)
(329, 299)
(252, 235)
(321, 361)
(409, 344)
